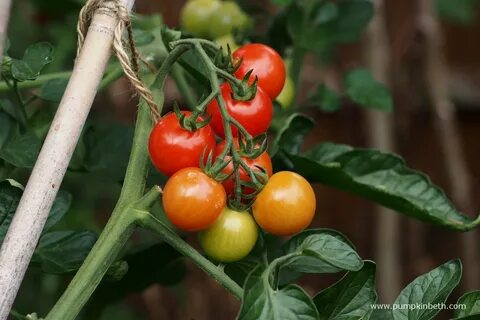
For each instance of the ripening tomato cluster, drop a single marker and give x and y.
(194, 201)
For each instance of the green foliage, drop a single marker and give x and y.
(36, 57)
(52, 90)
(21, 150)
(457, 11)
(320, 25)
(362, 88)
(63, 251)
(472, 302)
(349, 298)
(326, 99)
(381, 177)
(57, 251)
(433, 287)
(321, 251)
(10, 193)
(291, 133)
(261, 301)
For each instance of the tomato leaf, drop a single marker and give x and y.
(380, 177)
(291, 134)
(472, 302)
(10, 193)
(363, 89)
(60, 206)
(157, 264)
(322, 251)
(319, 27)
(261, 301)
(34, 59)
(433, 287)
(21, 150)
(326, 99)
(63, 251)
(349, 298)
(53, 90)
(7, 125)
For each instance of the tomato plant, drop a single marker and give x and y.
(192, 200)
(173, 148)
(254, 115)
(232, 171)
(231, 237)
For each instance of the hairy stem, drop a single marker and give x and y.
(117, 231)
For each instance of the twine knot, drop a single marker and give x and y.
(129, 63)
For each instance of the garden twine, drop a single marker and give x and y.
(130, 63)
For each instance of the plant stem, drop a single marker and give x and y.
(185, 89)
(37, 82)
(169, 236)
(117, 231)
(115, 73)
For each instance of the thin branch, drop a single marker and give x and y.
(381, 136)
(47, 175)
(447, 130)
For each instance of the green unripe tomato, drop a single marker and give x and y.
(227, 18)
(225, 40)
(196, 15)
(285, 98)
(231, 237)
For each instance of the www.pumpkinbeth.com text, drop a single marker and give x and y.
(419, 306)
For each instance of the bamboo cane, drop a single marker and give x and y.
(48, 172)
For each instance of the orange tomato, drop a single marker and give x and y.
(192, 200)
(286, 205)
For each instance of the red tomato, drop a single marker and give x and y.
(192, 200)
(173, 148)
(254, 115)
(267, 65)
(262, 160)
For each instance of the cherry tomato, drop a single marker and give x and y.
(254, 115)
(192, 200)
(172, 147)
(262, 160)
(286, 205)
(231, 237)
(196, 15)
(285, 98)
(267, 65)
(227, 18)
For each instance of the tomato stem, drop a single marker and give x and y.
(117, 231)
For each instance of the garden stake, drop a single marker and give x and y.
(47, 175)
